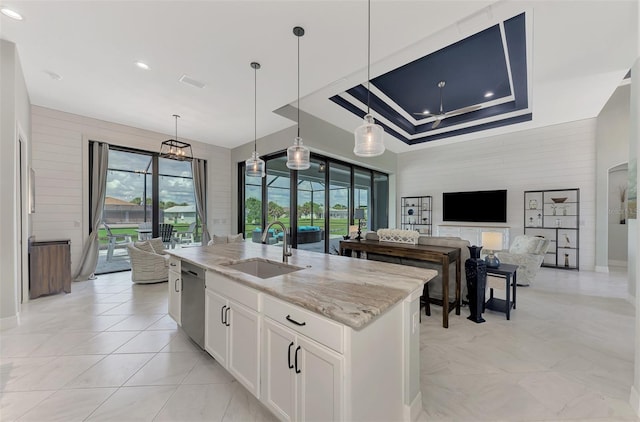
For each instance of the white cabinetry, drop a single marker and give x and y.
(304, 366)
(301, 378)
(175, 288)
(232, 330)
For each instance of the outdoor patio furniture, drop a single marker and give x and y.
(187, 236)
(144, 230)
(115, 240)
(166, 234)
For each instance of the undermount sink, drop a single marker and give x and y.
(263, 268)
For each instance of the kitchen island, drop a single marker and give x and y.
(323, 337)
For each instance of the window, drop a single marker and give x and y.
(316, 204)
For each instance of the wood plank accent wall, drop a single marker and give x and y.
(552, 157)
(60, 162)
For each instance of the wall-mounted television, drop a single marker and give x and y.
(488, 206)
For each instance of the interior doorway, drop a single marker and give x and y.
(617, 229)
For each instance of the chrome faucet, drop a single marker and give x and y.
(286, 249)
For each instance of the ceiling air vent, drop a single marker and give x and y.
(190, 81)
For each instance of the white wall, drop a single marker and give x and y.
(60, 151)
(553, 157)
(321, 137)
(14, 122)
(612, 149)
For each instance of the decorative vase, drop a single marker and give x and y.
(476, 272)
(566, 260)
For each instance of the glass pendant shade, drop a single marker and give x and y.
(369, 139)
(298, 156)
(255, 165)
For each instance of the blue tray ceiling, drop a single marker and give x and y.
(491, 60)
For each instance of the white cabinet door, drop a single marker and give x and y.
(319, 373)
(216, 310)
(278, 375)
(175, 288)
(244, 346)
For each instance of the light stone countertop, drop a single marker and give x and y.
(349, 291)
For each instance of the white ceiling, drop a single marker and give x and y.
(581, 50)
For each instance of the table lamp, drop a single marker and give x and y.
(491, 242)
(359, 214)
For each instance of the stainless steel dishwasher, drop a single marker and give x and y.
(192, 302)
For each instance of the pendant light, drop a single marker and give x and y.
(369, 136)
(255, 165)
(174, 149)
(298, 154)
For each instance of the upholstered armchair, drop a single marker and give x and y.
(149, 261)
(527, 252)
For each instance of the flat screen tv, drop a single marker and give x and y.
(488, 206)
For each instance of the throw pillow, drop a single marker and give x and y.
(144, 246)
(218, 240)
(235, 238)
(157, 245)
(542, 243)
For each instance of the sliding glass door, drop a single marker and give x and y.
(339, 204)
(362, 196)
(317, 204)
(142, 192)
(310, 232)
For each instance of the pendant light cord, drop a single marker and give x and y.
(368, 53)
(298, 86)
(176, 116)
(255, 109)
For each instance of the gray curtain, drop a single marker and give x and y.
(199, 170)
(98, 166)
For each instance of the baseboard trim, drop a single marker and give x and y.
(9, 322)
(634, 400)
(601, 269)
(617, 263)
(414, 410)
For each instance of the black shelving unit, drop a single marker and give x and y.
(555, 215)
(415, 214)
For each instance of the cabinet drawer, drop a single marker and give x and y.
(315, 326)
(174, 264)
(232, 290)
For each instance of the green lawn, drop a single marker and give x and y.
(131, 231)
(338, 226)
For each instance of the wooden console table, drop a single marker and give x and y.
(439, 254)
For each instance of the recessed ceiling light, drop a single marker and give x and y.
(11, 13)
(142, 65)
(425, 112)
(488, 94)
(53, 75)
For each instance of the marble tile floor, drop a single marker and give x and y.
(109, 351)
(566, 354)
